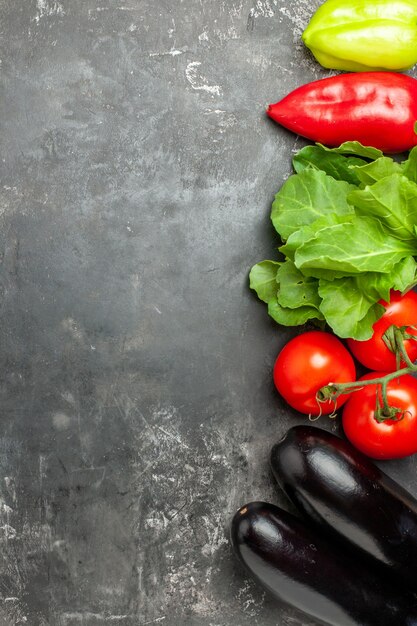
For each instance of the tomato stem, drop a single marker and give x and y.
(399, 342)
(394, 338)
(385, 403)
(333, 390)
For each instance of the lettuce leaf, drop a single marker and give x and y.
(409, 166)
(305, 197)
(362, 245)
(308, 232)
(355, 148)
(293, 317)
(358, 296)
(361, 311)
(393, 201)
(377, 170)
(332, 163)
(263, 280)
(295, 289)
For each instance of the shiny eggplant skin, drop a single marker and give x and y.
(303, 570)
(349, 498)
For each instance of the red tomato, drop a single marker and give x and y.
(373, 353)
(391, 439)
(307, 363)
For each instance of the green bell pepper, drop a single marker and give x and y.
(363, 35)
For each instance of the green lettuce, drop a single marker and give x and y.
(347, 220)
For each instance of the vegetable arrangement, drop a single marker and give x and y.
(351, 560)
(347, 220)
(380, 409)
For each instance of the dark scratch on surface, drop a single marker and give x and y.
(250, 25)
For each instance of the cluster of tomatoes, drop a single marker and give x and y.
(315, 359)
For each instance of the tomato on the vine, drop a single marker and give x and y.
(401, 311)
(388, 439)
(308, 362)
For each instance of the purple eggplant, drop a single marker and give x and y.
(349, 498)
(302, 569)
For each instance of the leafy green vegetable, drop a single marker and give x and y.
(305, 197)
(295, 289)
(263, 280)
(372, 172)
(356, 149)
(376, 285)
(404, 275)
(308, 232)
(332, 163)
(348, 223)
(362, 245)
(360, 312)
(393, 200)
(409, 167)
(293, 317)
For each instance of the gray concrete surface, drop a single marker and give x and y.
(137, 407)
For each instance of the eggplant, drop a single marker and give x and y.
(300, 568)
(349, 498)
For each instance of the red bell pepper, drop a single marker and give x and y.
(377, 109)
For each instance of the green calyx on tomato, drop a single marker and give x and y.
(387, 438)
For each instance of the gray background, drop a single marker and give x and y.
(137, 407)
